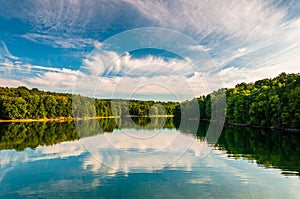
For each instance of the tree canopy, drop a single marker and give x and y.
(266, 103)
(24, 103)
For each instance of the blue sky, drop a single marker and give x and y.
(192, 48)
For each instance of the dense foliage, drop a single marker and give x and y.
(21, 103)
(24, 103)
(268, 102)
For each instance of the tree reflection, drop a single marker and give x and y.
(20, 136)
(268, 148)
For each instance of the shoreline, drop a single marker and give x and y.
(264, 127)
(293, 130)
(69, 119)
(58, 119)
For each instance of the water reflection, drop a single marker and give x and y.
(268, 148)
(145, 161)
(20, 136)
(130, 150)
(143, 141)
(126, 149)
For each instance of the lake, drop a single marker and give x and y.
(144, 158)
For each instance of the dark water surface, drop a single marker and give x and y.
(145, 160)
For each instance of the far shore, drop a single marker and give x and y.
(69, 119)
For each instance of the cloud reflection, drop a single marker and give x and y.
(126, 151)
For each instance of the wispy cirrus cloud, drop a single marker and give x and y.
(239, 34)
(149, 66)
(6, 53)
(61, 42)
(91, 17)
(199, 48)
(250, 20)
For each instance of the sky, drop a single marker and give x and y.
(151, 50)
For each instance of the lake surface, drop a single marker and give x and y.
(143, 159)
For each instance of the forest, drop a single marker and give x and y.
(24, 103)
(268, 102)
(265, 103)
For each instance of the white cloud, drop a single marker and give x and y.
(110, 63)
(5, 52)
(61, 42)
(46, 78)
(234, 75)
(198, 48)
(55, 80)
(124, 76)
(96, 63)
(256, 34)
(236, 18)
(11, 83)
(175, 85)
(149, 66)
(225, 60)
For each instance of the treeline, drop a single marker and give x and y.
(266, 103)
(24, 103)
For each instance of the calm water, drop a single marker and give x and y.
(141, 160)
